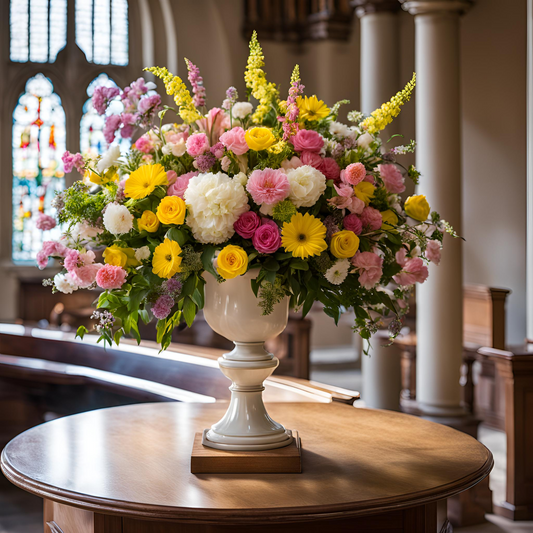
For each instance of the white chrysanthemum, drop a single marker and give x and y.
(64, 283)
(365, 140)
(176, 149)
(338, 272)
(142, 253)
(109, 159)
(214, 202)
(241, 110)
(340, 130)
(117, 219)
(307, 184)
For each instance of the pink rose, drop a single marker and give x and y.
(432, 252)
(311, 159)
(179, 187)
(369, 266)
(330, 169)
(371, 218)
(353, 223)
(308, 140)
(234, 140)
(197, 144)
(294, 162)
(111, 277)
(354, 173)
(171, 176)
(392, 178)
(246, 224)
(267, 239)
(268, 186)
(414, 271)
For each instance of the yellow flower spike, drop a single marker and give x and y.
(143, 181)
(311, 108)
(166, 260)
(382, 117)
(304, 236)
(364, 191)
(232, 261)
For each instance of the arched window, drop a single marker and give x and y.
(38, 30)
(38, 144)
(102, 31)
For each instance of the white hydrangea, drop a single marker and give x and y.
(142, 253)
(109, 159)
(241, 110)
(307, 184)
(340, 130)
(338, 272)
(117, 219)
(176, 149)
(214, 202)
(65, 284)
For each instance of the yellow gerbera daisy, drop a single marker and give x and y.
(167, 260)
(312, 108)
(303, 236)
(364, 191)
(144, 180)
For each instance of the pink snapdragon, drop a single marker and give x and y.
(392, 178)
(371, 218)
(246, 224)
(432, 252)
(197, 144)
(353, 223)
(197, 83)
(413, 271)
(308, 140)
(180, 185)
(289, 122)
(71, 161)
(111, 277)
(353, 174)
(268, 186)
(234, 140)
(370, 268)
(267, 238)
(45, 222)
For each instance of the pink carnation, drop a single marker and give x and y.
(54, 249)
(371, 218)
(330, 169)
(72, 261)
(268, 186)
(311, 159)
(308, 140)
(111, 277)
(45, 222)
(246, 224)
(392, 178)
(234, 140)
(144, 144)
(267, 239)
(197, 144)
(162, 307)
(370, 268)
(293, 162)
(179, 187)
(353, 223)
(85, 276)
(414, 271)
(432, 252)
(354, 173)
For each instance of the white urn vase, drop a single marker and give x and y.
(231, 309)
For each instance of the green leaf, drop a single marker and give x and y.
(189, 286)
(198, 298)
(82, 330)
(271, 265)
(160, 328)
(117, 336)
(189, 311)
(309, 301)
(175, 234)
(299, 264)
(207, 259)
(145, 316)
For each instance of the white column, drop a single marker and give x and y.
(529, 169)
(438, 134)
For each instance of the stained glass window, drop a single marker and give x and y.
(38, 144)
(38, 30)
(102, 31)
(92, 141)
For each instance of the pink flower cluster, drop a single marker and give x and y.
(264, 232)
(81, 267)
(110, 277)
(290, 120)
(162, 307)
(50, 249)
(392, 178)
(45, 222)
(197, 83)
(346, 199)
(413, 270)
(369, 266)
(71, 161)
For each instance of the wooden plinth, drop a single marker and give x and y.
(286, 460)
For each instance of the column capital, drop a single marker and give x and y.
(366, 7)
(423, 7)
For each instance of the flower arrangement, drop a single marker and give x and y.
(311, 205)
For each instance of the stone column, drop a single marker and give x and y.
(438, 134)
(529, 270)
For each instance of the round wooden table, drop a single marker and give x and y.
(127, 470)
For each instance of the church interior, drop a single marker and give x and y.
(99, 439)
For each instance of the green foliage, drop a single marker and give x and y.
(284, 211)
(79, 206)
(414, 174)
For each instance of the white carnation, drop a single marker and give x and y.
(143, 253)
(338, 272)
(241, 110)
(109, 159)
(117, 219)
(340, 130)
(307, 184)
(365, 140)
(215, 202)
(64, 283)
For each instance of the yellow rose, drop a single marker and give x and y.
(364, 191)
(232, 261)
(344, 244)
(148, 222)
(171, 210)
(417, 207)
(122, 257)
(259, 138)
(389, 219)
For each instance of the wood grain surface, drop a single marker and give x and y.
(134, 461)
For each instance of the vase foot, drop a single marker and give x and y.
(265, 442)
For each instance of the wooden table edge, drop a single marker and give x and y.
(240, 516)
